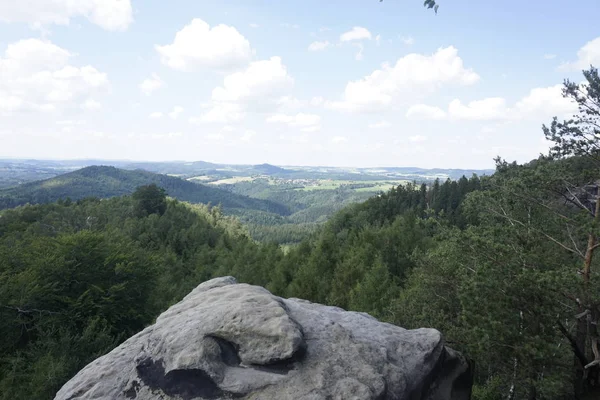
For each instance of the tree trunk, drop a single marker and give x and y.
(587, 376)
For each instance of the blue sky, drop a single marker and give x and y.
(341, 82)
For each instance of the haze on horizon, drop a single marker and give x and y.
(356, 84)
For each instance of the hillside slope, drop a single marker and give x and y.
(103, 181)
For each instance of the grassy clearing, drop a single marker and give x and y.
(234, 180)
(201, 178)
(375, 186)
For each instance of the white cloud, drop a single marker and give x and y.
(215, 137)
(317, 101)
(486, 109)
(290, 103)
(176, 111)
(538, 104)
(545, 102)
(260, 86)
(253, 25)
(36, 75)
(156, 115)
(91, 104)
(290, 26)
(314, 128)
(319, 46)
(359, 54)
(248, 136)
(199, 45)
(338, 139)
(417, 138)
(423, 111)
(260, 79)
(407, 40)
(549, 56)
(306, 122)
(378, 40)
(112, 15)
(380, 125)
(221, 113)
(151, 84)
(588, 55)
(324, 29)
(357, 33)
(412, 75)
(70, 122)
(169, 135)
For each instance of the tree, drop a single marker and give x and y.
(580, 136)
(150, 199)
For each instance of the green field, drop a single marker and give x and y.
(234, 180)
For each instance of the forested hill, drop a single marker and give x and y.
(105, 181)
(490, 262)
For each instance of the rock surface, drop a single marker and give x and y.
(235, 341)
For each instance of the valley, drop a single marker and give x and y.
(277, 204)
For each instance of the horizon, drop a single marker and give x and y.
(133, 161)
(359, 84)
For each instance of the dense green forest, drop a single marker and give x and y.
(308, 208)
(503, 265)
(105, 181)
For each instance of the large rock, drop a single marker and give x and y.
(227, 340)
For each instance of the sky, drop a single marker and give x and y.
(358, 83)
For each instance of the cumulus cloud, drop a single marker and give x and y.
(37, 75)
(359, 53)
(221, 113)
(407, 40)
(357, 33)
(290, 103)
(112, 15)
(199, 45)
(91, 105)
(248, 136)
(412, 75)
(305, 122)
(545, 102)
(417, 138)
(423, 111)
(539, 103)
(260, 79)
(319, 46)
(588, 55)
(486, 109)
(339, 139)
(261, 86)
(176, 111)
(156, 115)
(380, 125)
(169, 135)
(148, 86)
(317, 101)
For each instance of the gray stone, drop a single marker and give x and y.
(227, 340)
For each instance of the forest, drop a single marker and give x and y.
(106, 181)
(503, 265)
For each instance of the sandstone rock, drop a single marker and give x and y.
(227, 340)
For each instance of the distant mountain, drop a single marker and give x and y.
(104, 181)
(173, 167)
(268, 169)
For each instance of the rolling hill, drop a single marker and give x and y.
(104, 181)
